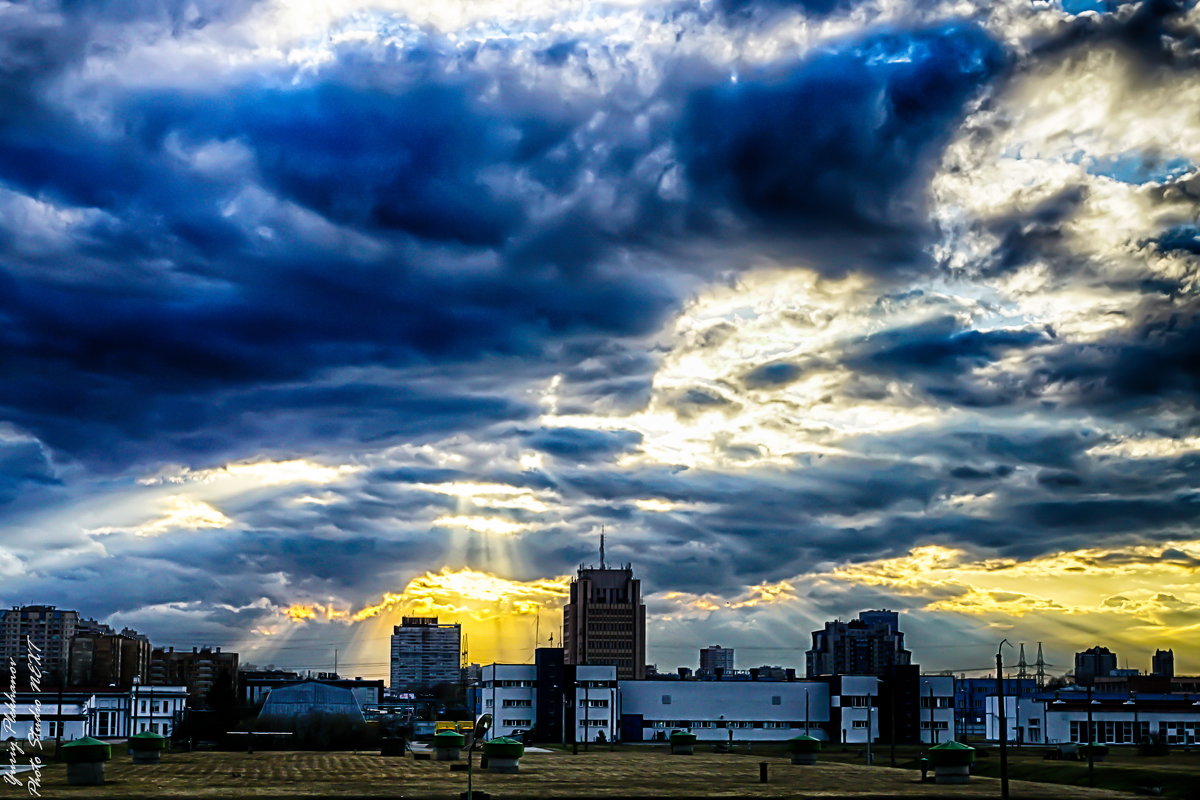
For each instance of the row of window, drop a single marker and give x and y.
(708, 723)
(776, 700)
(1122, 731)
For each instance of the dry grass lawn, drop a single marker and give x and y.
(649, 773)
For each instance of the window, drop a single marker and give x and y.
(777, 724)
(594, 703)
(859, 723)
(936, 702)
(776, 700)
(515, 723)
(938, 725)
(518, 703)
(855, 700)
(596, 723)
(666, 699)
(487, 703)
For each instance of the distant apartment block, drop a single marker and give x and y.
(425, 653)
(716, 657)
(869, 645)
(44, 631)
(199, 669)
(1092, 663)
(101, 657)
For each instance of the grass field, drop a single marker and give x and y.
(631, 773)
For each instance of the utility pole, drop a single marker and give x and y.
(1003, 720)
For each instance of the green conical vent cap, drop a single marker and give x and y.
(144, 735)
(86, 751)
(503, 740)
(86, 741)
(951, 745)
(449, 739)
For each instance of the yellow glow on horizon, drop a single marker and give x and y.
(1152, 584)
(501, 618)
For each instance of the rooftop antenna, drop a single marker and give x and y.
(1041, 668)
(1022, 666)
(601, 547)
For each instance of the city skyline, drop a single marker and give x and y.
(319, 315)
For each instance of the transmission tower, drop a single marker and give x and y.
(1022, 666)
(1041, 669)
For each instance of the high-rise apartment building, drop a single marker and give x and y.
(425, 653)
(604, 622)
(199, 670)
(1094, 662)
(101, 657)
(716, 657)
(869, 645)
(43, 632)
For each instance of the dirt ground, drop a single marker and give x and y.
(649, 773)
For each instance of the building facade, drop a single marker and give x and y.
(604, 622)
(715, 658)
(1064, 716)
(425, 653)
(970, 701)
(38, 639)
(724, 710)
(102, 714)
(1163, 663)
(200, 669)
(869, 645)
(584, 701)
(1092, 663)
(102, 657)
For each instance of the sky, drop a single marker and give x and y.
(316, 314)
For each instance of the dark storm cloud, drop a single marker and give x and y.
(938, 345)
(840, 147)
(577, 444)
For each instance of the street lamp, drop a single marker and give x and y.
(1003, 719)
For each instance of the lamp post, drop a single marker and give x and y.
(482, 726)
(870, 702)
(1132, 701)
(1091, 736)
(1003, 720)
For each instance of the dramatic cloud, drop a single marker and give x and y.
(314, 314)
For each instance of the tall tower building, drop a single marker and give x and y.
(1163, 663)
(716, 657)
(869, 645)
(425, 653)
(604, 622)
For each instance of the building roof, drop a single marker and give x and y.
(308, 698)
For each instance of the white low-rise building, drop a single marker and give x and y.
(1063, 716)
(724, 710)
(103, 715)
(937, 708)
